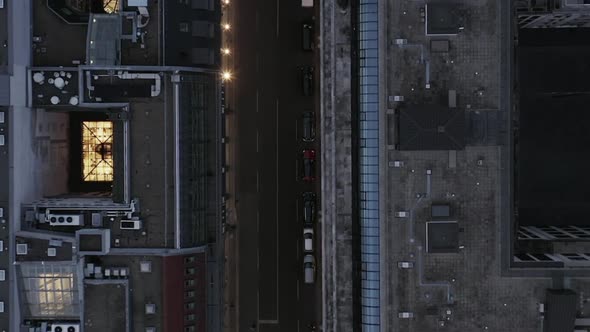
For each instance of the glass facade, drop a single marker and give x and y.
(368, 62)
(49, 290)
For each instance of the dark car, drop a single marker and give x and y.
(308, 207)
(307, 80)
(308, 165)
(308, 126)
(307, 36)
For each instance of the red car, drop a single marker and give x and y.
(308, 165)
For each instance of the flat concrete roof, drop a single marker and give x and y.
(105, 307)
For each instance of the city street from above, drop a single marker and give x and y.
(292, 166)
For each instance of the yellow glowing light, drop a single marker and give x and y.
(226, 2)
(110, 6)
(226, 51)
(226, 26)
(226, 76)
(97, 157)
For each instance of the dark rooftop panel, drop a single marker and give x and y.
(90, 242)
(561, 310)
(440, 210)
(104, 308)
(430, 127)
(442, 236)
(443, 19)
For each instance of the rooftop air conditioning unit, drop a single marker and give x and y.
(65, 327)
(65, 219)
(133, 223)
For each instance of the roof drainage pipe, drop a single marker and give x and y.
(155, 91)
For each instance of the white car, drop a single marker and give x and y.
(308, 239)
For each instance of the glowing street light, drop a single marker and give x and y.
(226, 26)
(226, 2)
(225, 51)
(226, 76)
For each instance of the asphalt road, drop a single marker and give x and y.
(268, 106)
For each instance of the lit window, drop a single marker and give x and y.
(97, 156)
(189, 283)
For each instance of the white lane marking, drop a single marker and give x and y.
(257, 141)
(298, 325)
(257, 232)
(278, 5)
(297, 220)
(258, 265)
(277, 205)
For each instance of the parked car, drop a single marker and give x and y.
(308, 239)
(308, 126)
(308, 207)
(307, 36)
(307, 80)
(308, 165)
(309, 269)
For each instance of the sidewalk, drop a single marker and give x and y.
(336, 109)
(231, 245)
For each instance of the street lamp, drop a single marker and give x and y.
(226, 76)
(226, 51)
(226, 26)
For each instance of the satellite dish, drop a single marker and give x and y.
(38, 77)
(55, 100)
(59, 83)
(74, 100)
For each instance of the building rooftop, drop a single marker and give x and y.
(49, 33)
(468, 289)
(192, 33)
(129, 35)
